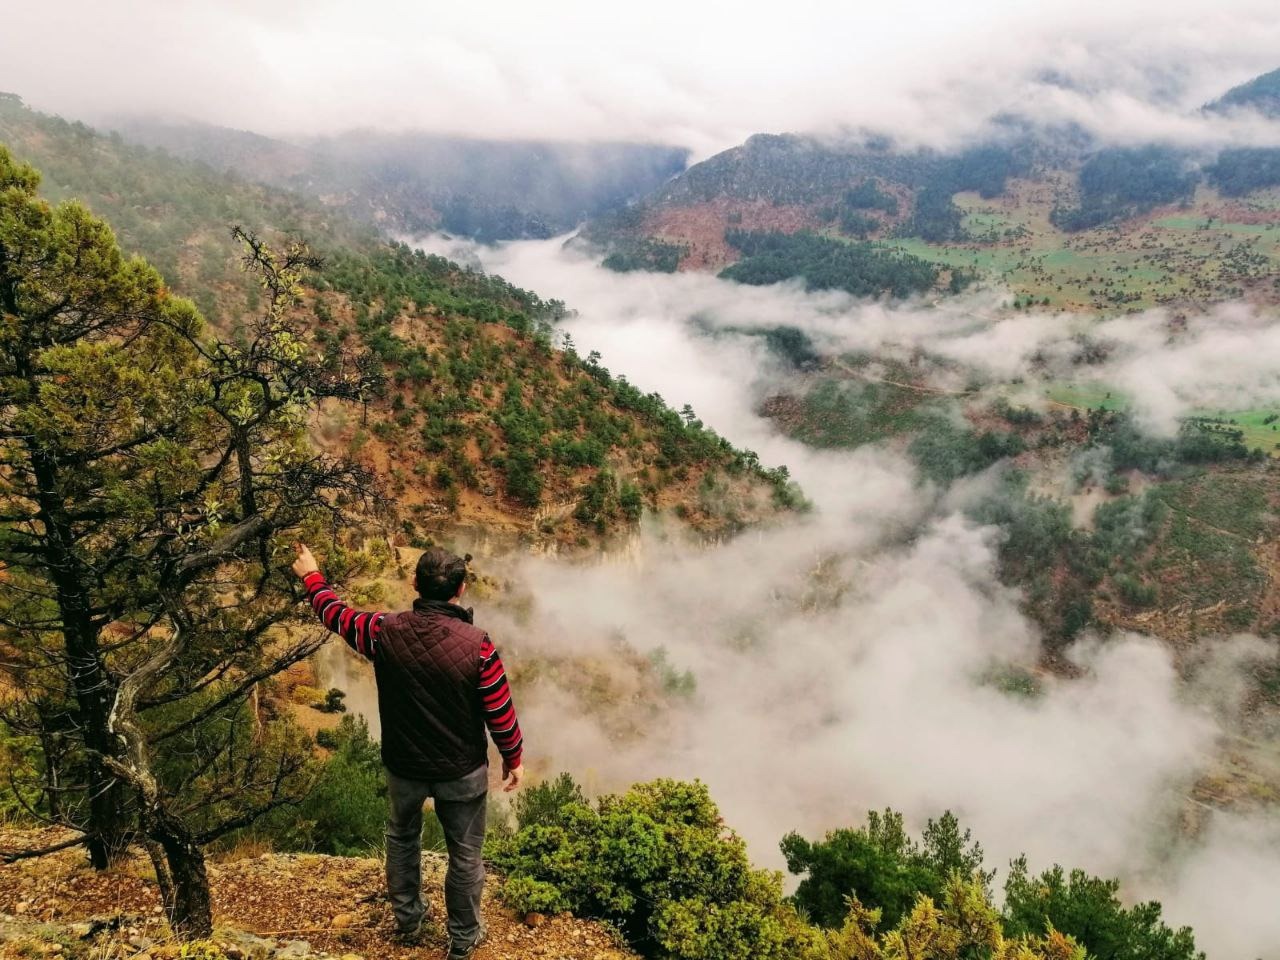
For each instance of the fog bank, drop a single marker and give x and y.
(703, 76)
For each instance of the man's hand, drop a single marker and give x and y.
(511, 775)
(305, 562)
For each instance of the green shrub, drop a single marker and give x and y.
(658, 863)
(20, 757)
(333, 701)
(545, 804)
(346, 811)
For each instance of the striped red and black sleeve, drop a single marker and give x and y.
(359, 628)
(499, 708)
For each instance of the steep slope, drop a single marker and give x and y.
(486, 189)
(482, 423)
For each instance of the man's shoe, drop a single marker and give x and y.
(459, 952)
(418, 935)
(409, 938)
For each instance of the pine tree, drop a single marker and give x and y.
(150, 478)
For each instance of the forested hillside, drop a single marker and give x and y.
(480, 419)
(1048, 213)
(417, 183)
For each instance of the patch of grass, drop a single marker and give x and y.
(1121, 266)
(1261, 428)
(1087, 396)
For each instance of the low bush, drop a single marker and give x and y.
(658, 863)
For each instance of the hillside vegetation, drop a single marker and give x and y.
(1105, 526)
(481, 420)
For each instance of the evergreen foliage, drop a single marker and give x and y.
(656, 862)
(1090, 909)
(1242, 170)
(862, 269)
(152, 473)
(945, 451)
(869, 196)
(649, 254)
(1123, 181)
(881, 866)
(1262, 93)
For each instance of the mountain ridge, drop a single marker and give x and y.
(410, 182)
(1023, 192)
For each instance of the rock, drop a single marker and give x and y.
(352, 956)
(294, 948)
(534, 919)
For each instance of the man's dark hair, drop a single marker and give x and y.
(440, 574)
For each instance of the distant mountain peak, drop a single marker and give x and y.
(1262, 94)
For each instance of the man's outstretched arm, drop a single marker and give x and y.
(360, 629)
(500, 713)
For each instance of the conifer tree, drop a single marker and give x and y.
(151, 475)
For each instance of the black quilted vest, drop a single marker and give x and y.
(428, 671)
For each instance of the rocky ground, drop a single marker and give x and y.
(268, 906)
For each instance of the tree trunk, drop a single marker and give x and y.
(93, 685)
(187, 904)
(183, 880)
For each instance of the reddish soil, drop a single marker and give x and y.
(702, 226)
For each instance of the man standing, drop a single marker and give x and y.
(440, 684)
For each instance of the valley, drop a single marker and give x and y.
(823, 476)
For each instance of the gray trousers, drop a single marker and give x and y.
(460, 805)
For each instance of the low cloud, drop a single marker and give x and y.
(1167, 364)
(693, 75)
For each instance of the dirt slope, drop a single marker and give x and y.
(274, 905)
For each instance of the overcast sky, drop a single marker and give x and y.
(693, 72)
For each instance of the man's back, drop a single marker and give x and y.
(441, 673)
(428, 665)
